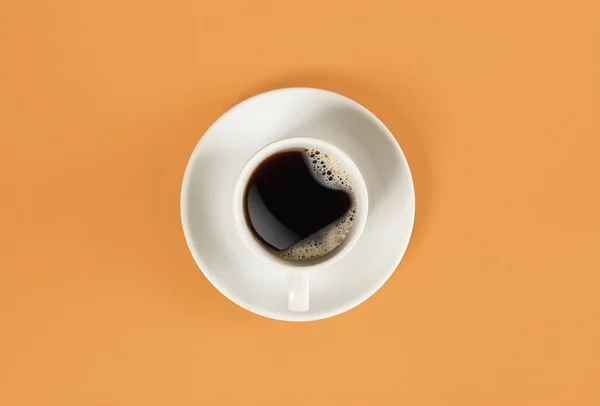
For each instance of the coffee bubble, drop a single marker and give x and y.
(331, 174)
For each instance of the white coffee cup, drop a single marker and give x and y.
(299, 271)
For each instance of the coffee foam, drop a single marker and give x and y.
(332, 174)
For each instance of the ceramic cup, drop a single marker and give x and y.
(299, 271)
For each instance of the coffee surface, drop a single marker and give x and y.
(300, 204)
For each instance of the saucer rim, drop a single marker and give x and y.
(294, 317)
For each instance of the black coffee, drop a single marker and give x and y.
(300, 203)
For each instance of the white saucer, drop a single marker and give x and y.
(211, 174)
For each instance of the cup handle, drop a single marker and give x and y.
(298, 296)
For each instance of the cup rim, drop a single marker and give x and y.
(359, 186)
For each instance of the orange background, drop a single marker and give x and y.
(497, 301)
